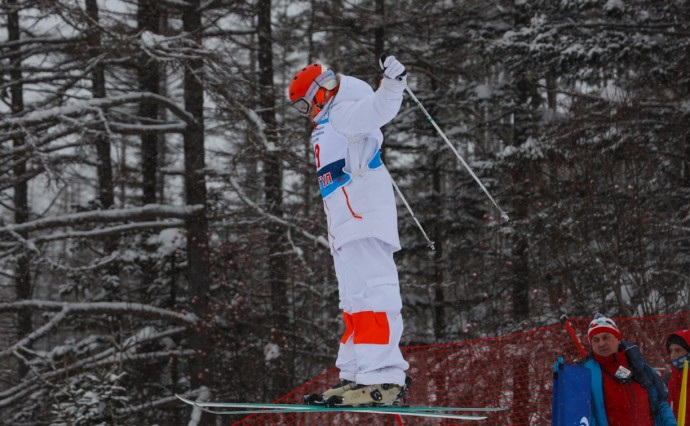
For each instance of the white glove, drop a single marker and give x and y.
(392, 68)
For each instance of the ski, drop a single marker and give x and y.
(418, 411)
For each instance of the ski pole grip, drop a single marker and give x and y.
(382, 60)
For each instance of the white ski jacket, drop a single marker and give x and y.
(356, 189)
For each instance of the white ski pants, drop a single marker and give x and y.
(370, 300)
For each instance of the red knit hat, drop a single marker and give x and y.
(680, 338)
(603, 325)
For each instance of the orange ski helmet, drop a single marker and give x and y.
(312, 87)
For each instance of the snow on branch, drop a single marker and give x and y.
(109, 230)
(39, 332)
(67, 308)
(41, 41)
(136, 129)
(260, 127)
(79, 108)
(138, 309)
(104, 357)
(149, 211)
(149, 405)
(27, 386)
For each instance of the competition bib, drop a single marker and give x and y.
(330, 150)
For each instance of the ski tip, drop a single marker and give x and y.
(185, 400)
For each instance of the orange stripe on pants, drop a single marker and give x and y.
(371, 328)
(349, 327)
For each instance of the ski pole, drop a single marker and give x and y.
(504, 215)
(430, 243)
(571, 332)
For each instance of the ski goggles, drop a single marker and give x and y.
(325, 81)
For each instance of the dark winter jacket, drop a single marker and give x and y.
(643, 375)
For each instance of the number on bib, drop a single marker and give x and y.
(317, 152)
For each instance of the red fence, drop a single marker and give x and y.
(513, 371)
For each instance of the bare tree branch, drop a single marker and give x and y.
(137, 309)
(149, 211)
(81, 107)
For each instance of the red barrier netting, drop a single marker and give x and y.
(513, 371)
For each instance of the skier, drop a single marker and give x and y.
(625, 389)
(678, 347)
(358, 199)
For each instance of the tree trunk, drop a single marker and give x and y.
(522, 129)
(149, 81)
(148, 17)
(21, 201)
(198, 274)
(104, 168)
(283, 367)
(551, 94)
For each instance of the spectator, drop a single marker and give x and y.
(678, 347)
(626, 391)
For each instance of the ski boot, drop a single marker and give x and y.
(335, 390)
(387, 394)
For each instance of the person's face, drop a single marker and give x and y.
(605, 344)
(313, 112)
(676, 350)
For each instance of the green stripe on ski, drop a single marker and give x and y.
(372, 410)
(286, 408)
(310, 409)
